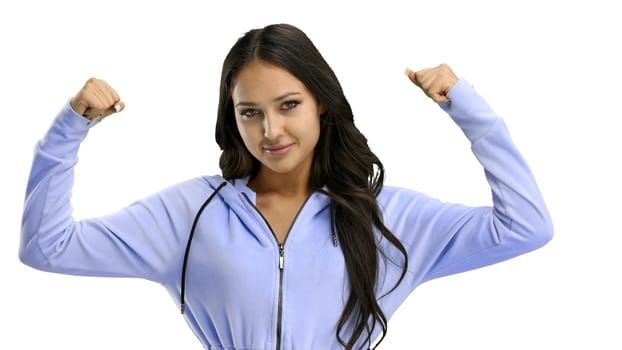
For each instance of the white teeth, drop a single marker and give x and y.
(117, 107)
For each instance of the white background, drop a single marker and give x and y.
(551, 69)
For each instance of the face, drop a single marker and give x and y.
(277, 116)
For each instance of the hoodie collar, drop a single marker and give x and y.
(235, 191)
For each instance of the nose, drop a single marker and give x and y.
(272, 126)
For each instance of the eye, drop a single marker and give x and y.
(290, 104)
(249, 113)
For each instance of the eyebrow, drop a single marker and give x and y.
(282, 97)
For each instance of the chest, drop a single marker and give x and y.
(280, 213)
(237, 265)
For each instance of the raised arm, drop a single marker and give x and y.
(137, 241)
(447, 238)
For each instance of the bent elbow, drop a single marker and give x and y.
(30, 254)
(540, 233)
(546, 232)
(27, 258)
(528, 233)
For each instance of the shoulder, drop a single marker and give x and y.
(203, 181)
(394, 200)
(189, 189)
(392, 194)
(398, 201)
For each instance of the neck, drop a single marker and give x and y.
(295, 183)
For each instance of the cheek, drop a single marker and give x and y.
(312, 127)
(243, 131)
(308, 132)
(250, 133)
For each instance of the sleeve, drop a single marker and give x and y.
(137, 241)
(447, 238)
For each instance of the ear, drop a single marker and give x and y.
(321, 108)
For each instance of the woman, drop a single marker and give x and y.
(298, 244)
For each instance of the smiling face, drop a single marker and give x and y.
(277, 117)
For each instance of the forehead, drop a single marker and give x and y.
(260, 81)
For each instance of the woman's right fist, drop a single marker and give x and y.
(96, 100)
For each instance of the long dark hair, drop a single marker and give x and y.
(343, 164)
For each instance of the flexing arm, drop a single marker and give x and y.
(137, 241)
(445, 238)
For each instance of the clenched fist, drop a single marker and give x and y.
(435, 82)
(96, 100)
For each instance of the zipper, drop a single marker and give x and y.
(280, 305)
(281, 264)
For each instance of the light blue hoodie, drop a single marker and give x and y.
(242, 289)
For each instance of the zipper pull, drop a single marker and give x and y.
(281, 256)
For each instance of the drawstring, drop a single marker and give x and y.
(333, 230)
(194, 225)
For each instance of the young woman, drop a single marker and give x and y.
(298, 245)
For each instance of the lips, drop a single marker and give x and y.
(277, 149)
